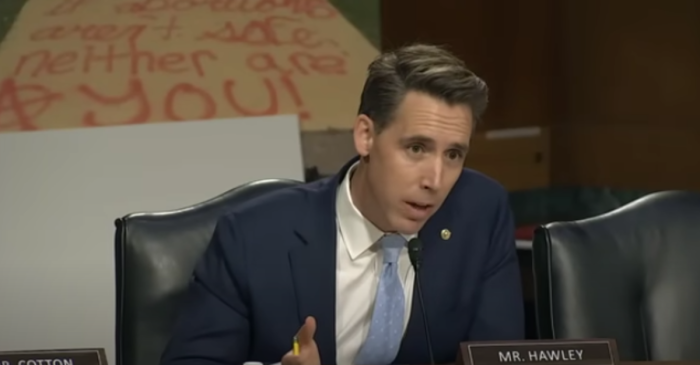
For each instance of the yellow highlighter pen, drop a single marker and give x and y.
(295, 346)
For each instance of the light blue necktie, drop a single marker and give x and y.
(386, 329)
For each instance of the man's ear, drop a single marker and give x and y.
(363, 135)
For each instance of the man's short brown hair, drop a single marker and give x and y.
(424, 68)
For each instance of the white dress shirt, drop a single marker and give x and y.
(359, 264)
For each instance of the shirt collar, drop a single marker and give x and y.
(358, 233)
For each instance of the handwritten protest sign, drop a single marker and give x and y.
(85, 63)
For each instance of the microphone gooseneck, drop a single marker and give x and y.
(415, 254)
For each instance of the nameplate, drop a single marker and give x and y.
(54, 357)
(540, 352)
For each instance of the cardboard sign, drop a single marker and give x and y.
(54, 357)
(538, 352)
(145, 61)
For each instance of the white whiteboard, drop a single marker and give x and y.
(61, 190)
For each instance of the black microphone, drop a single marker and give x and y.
(415, 254)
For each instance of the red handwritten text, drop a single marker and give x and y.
(315, 9)
(66, 7)
(299, 62)
(133, 61)
(89, 33)
(93, 59)
(107, 33)
(284, 49)
(22, 105)
(135, 92)
(271, 31)
(268, 31)
(185, 90)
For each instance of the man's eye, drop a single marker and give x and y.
(416, 148)
(454, 155)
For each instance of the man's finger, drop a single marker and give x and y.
(307, 331)
(290, 359)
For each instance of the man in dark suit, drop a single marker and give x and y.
(327, 261)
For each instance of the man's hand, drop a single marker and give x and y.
(308, 351)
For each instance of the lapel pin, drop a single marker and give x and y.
(445, 234)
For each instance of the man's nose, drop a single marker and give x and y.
(433, 176)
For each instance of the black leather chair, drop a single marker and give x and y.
(155, 256)
(632, 274)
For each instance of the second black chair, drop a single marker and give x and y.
(632, 274)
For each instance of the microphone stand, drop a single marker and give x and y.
(415, 251)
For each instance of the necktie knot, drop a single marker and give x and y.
(391, 247)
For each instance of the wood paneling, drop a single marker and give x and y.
(519, 163)
(637, 156)
(631, 77)
(510, 44)
(632, 62)
(618, 82)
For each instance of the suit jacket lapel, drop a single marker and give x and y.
(313, 263)
(415, 340)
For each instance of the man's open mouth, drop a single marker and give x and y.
(419, 206)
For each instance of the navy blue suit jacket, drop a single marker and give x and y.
(272, 262)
